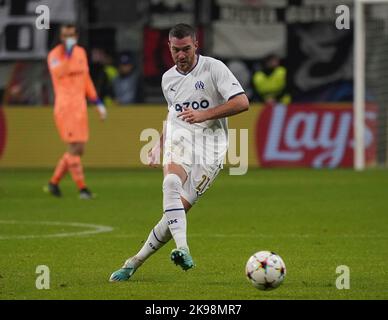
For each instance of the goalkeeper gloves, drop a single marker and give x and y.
(101, 109)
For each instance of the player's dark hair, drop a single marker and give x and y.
(182, 30)
(69, 26)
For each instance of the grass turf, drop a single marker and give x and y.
(316, 220)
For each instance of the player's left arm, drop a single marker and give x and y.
(91, 94)
(237, 104)
(229, 88)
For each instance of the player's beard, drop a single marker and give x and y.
(185, 65)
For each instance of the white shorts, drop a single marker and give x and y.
(199, 176)
(201, 169)
(199, 179)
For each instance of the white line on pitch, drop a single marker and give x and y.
(94, 229)
(258, 235)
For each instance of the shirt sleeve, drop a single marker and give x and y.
(91, 92)
(164, 90)
(90, 89)
(58, 67)
(226, 83)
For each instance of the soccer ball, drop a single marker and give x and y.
(266, 270)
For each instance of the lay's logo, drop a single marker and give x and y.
(316, 135)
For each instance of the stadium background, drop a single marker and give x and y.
(316, 220)
(317, 55)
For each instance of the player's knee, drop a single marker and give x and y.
(76, 149)
(80, 149)
(171, 183)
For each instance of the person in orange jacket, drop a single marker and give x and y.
(68, 66)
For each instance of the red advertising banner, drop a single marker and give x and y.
(311, 135)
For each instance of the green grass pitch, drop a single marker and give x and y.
(315, 220)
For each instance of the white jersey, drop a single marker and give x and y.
(209, 84)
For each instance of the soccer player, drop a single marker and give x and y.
(201, 92)
(68, 65)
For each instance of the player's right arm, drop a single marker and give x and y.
(58, 67)
(154, 153)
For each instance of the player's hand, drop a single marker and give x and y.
(154, 156)
(193, 116)
(102, 111)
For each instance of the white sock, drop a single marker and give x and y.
(157, 238)
(174, 210)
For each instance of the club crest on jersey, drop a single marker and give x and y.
(199, 85)
(54, 62)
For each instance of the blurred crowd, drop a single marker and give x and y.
(115, 80)
(279, 53)
(116, 77)
(118, 80)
